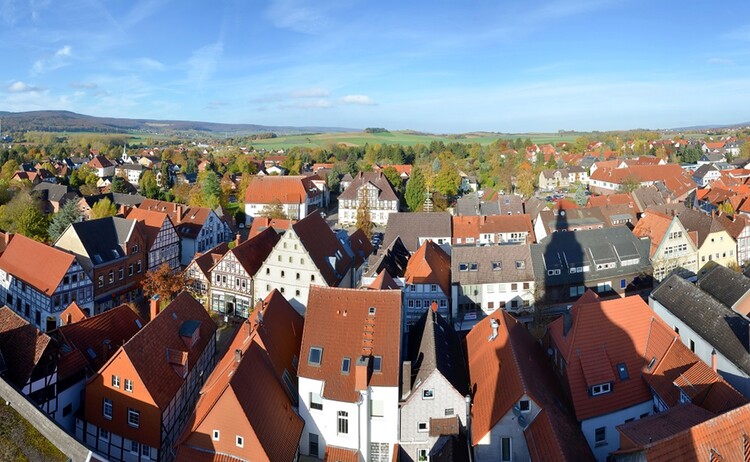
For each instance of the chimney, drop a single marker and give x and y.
(361, 373)
(714, 360)
(238, 239)
(238, 355)
(494, 324)
(8, 235)
(434, 307)
(405, 379)
(178, 211)
(154, 306)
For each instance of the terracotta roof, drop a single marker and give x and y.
(664, 424)
(505, 368)
(679, 185)
(653, 225)
(338, 321)
(253, 252)
(400, 168)
(507, 224)
(99, 162)
(72, 314)
(286, 189)
(24, 257)
(192, 454)
(22, 348)
(384, 281)
(195, 216)
(146, 348)
(336, 454)
(465, 226)
(253, 388)
(430, 265)
(261, 223)
(721, 438)
(205, 261)
(386, 192)
(640, 172)
(151, 222)
(322, 245)
(611, 199)
(95, 339)
(444, 426)
(598, 337)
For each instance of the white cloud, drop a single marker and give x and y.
(358, 99)
(23, 87)
(310, 93)
(295, 15)
(203, 63)
(59, 59)
(319, 103)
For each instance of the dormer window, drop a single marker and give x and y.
(600, 389)
(497, 265)
(315, 356)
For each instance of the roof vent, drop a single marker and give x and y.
(494, 324)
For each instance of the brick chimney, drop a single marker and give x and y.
(7, 237)
(361, 373)
(154, 307)
(714, 361)
(178, 212)
(237, 240)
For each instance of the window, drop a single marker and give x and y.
(107, 411)
(473, 266)
(623, 283)
(497, 265)
(505, 449)
(371, 311)
(449, 412)
(316, 402)
(520, 264)
(239, 441)
(524, 405)
(121, 273)
(268, 270)
(346, 364)
(129, 385)
(130, 270)
(622, 371)
(377, 363)
(692, 346)
(103, 434)
(111, 277)
(297, 277)
(377, 408)
(600, 389)
(134, 447)
(145, 451)
(421, 455)
(313, 444)
(100, 281)
(315, 356)
(282, 273)
(422, 427)
(134, 418)
(215, 435)
(600, 436)
(312, 278)
(116, 381)
(428, 393)
(463, 267)
(138, 266)
(343, 423)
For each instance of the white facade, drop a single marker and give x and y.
(492, 447)
(373, 435)
(675, 250)
(210, 235)
(166, 247)
(602, 442)
(513, 297)
(516, 237)
(378, 209)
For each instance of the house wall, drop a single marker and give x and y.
(488, 298)
(610, 422)
(418, 299)
(703, 348)
(166, 247)
(231, 287)
(489, 447)
(718, 247)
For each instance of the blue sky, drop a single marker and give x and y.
(439, 66)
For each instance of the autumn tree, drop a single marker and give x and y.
(148, 186)
(447, 180)
(415, 190)
(103, 208)
(274, 210)
(364, 220)
(119, 185)
(69, 213)
(163, 282)
(630, 183)
(23, 215)
(726, 208)
(525, 180)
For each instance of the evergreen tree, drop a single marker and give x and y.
(581, 197)
(415, 190)
(68, 214)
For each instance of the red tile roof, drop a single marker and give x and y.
(601, 336)
(520, 223)
(653, 225)
(640, 172)
(465, 226)
(22, 345)
(384, 281)
(189, 215)
(430, 265)
(611, 199)
(336, 454)
(99, 162)
(205, 261)
(151, 222)
(286, 189)
(72, 314)
(261, 223)
(338, 321)
(24, 257)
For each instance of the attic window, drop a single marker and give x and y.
(473, 266)
(520, 264)
(651, 363)
(97, 258)
(371, 311)
(463, 267)
(315, 356)
(90, 352)
(622, 371)
(114, 253)
(600, 389)
(497, 265)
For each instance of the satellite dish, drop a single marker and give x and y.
(517, 411)
(522, 421)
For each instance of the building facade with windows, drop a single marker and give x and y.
(140, 400)
(162, 241)
(112, 252)
(349, 384)
(298, 195)
(427, 280)
(373, 191)
(671, 248)
(39, 281)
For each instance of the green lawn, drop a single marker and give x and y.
(20, 441)
(403, 138)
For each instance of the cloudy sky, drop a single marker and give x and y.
(439, 66)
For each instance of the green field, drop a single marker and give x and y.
(403, 138)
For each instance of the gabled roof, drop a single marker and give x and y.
(72, 314)
(430, 265)
(701, 223)
(724, 329)
(100, 162)
(292, 189)
(92, 341)
(205, 261)
(653, 225)
(703, 170)
(611, 199)
(505, 367)
(520, 223)
(25, 258)
(720, 438)
(599, 336)
(360, 246)
(495, 263)
(24, 349)
(253, 252)
(384, 281)
(146, 349)
(435, 346)
(152, 222)
(187, 220)
(725, 285)
(261, 223)
(386, 192)
(642, 173)
(410, 227)
(253, 387)
(103, 239)
(323, 247)
(339, 322)
(392, 258)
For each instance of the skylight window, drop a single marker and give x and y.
(622, 371)
(346, 365)
(377, 364)
(315, 356)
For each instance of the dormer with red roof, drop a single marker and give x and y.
(138, 398)
(349, 372)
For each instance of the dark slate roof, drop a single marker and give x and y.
(392, 258)
(724, 329)
(703, 170)
(411, 226)
(104, 237)
(133, 200)
(703, 224)
(501, 204)
(55, 192)
(563, 250)
(646, 196)
(724, 284)
(487, 259)
(434, 345)
(377, 179)
(93, 199)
